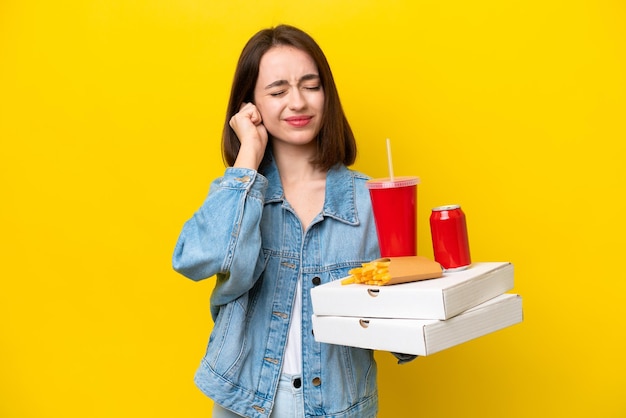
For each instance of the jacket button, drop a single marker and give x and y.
(317, 381)
(316, 281)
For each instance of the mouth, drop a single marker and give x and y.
(298, 121)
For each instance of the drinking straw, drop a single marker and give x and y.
(389, 163)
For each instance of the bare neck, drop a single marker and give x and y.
(294, 163)
(304, 184)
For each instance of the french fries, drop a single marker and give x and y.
(372, 273)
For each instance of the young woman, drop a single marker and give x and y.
(286, 216)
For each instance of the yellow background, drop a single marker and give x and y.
(110, 119)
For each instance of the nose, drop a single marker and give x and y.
(296, 99)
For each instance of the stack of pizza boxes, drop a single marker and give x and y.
(418, 308)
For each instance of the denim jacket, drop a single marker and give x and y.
(247, 235)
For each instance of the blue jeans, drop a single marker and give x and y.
(289, 402)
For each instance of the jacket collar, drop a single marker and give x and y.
(339, 200)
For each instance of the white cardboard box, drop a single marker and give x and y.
(440, 298)
(419, 336)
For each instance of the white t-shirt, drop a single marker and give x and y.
(292, 364)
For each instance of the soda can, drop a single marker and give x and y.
(448, 229)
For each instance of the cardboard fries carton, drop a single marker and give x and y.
(438, 298)
(419, 336)
(412, 268)
(395, 270)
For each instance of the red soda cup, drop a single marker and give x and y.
(448, 229)
(394, 203)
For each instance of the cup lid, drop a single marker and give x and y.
(386, 183)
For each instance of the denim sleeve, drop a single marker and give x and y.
(223, 237)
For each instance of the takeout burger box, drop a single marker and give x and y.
(437, 298)
(419, 336)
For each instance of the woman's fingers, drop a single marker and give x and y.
(247, 112)
(248, 126)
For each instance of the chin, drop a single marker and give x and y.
(296, 139)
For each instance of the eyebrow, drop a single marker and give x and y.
(279, 83)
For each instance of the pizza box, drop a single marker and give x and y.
(420, 337)
(437, 298)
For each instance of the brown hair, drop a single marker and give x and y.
(335, 141)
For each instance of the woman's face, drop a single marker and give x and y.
(289, 95)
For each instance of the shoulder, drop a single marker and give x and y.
(359, 176)
(359, 179)
(354, 183)
(342, 170)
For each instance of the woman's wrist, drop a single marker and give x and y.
(248, 158)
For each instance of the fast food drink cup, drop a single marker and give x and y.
(394, 203)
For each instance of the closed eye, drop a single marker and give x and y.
(308, 78)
